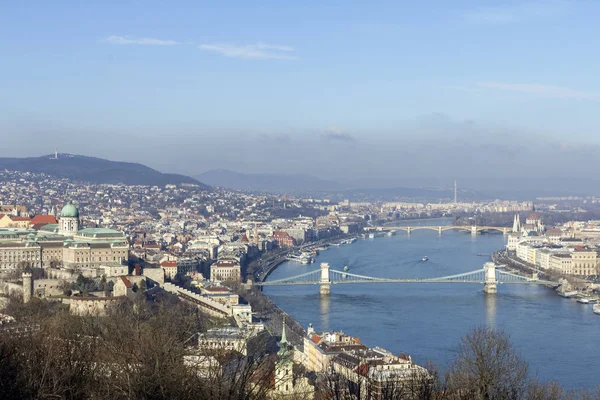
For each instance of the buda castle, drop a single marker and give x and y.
(62, 244)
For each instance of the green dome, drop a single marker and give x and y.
(69, 211)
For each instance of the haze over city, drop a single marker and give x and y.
(398, 94)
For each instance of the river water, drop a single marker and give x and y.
(558, 337)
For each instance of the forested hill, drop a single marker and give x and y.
(94, 170)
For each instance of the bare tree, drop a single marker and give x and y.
(488, 367)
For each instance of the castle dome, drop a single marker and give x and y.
(69, 211)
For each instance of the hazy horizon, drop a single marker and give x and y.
(389, 95)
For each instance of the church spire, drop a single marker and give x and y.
(283, 343)
(283, 335)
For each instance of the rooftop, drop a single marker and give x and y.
(99, 233)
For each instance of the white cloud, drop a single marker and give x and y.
(545, 91)
(335, 133)
(251, 51)
(140, 41)
(519, 12)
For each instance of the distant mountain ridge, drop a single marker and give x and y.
(306, 184)
(95, 170)
(275, 183)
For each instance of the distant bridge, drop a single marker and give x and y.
(473, 229)
(489, 276)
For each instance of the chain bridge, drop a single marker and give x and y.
(490, 276)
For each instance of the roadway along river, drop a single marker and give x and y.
(559, 337)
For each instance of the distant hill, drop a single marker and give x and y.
(309, 185)
(275, 183)
(423, 194)
(94, 170)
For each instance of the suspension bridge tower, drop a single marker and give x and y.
(491, 283)
(325, 282)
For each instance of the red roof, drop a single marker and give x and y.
(37, 227)
(227, 264)
(533, 216)
(168, 264)
(127, 283)
(316, 338)
(20, 218)
(44, 219)
(281, 234)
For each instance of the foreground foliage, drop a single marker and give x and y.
(138, 352)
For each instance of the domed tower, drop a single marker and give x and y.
(69, 219)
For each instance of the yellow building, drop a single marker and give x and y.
(9, 221)
(585, 261)
(320, 349)
(562, 263)
(225, 271)
(19, 255)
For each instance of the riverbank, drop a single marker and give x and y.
(268, 265)
(576, 284)
(267, 311)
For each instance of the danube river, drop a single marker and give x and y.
(559, 337)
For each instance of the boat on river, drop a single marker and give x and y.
(584, 300)
(424, 258)
(568, 295)
(302, 258)
(305, 258)
(597, 309)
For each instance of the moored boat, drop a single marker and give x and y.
(305, 258)
(583, 300)
(568, 295)
(596, 309)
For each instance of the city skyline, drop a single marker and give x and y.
(299, 200)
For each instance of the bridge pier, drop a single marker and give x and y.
(440, 230)
(325, 282)
(491, 283)
(474, 230)
(505, 231)
(408, 230)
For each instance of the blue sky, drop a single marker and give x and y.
(346, 73)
